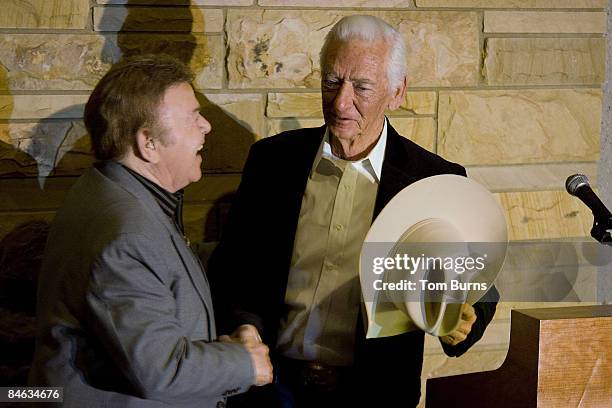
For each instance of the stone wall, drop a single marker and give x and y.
(509, 88)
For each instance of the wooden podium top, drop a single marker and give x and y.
(574, 312)
(558, 357)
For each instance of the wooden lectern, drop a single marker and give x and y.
(558, 357)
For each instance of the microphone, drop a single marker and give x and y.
(578, 186)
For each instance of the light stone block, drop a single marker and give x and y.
(304, 104)
(237, 121)
(544, 4)
(338, 3)
(77, 62)
(519, 126)
(54, 14)
(471, 362)
(156, 19)
(422, 131)
(180, 2)
(551, 270)
(42, 106)
(544, 22)
(545, 215)
(40, 62)
(280, 48)
(549, 176)
(204, 53)
(496, 337)
(43, 149)
(420, 103)
(14, 162)
(544, 61)
(276, 126)
(504, 309)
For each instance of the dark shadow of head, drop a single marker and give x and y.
(133, 30)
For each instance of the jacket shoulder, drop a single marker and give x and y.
(291, 138)
(102, 205)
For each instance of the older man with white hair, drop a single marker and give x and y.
(306, 201)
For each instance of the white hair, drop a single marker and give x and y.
(370, 29)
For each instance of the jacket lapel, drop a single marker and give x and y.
(401, 167)
(192, 265)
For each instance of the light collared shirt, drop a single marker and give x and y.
(323, 294)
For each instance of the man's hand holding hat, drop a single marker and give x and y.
(468, 317)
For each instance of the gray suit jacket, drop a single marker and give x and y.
(124, 307)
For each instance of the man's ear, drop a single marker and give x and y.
(147, 146)
(399, 95)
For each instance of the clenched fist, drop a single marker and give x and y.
(248, 336)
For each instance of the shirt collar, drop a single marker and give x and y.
(170, 203)
(372, 164)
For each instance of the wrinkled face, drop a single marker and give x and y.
(355, 91)
(184, 134)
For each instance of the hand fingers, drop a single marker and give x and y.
(464, 328)
(263, 365)
(268, 377)
(225, 338)
(248, 331)
(459, 334)
(453, 338)
(468, 313)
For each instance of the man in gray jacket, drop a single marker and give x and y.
(124, 306)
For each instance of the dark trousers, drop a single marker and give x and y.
(303, 384)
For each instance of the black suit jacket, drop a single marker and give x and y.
(251, 264)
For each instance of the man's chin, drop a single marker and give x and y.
(343, 132)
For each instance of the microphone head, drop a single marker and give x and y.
(573, 183)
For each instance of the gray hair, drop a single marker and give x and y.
(370, 29)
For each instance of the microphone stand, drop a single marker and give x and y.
(602, 231)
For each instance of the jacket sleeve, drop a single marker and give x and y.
(133, 312)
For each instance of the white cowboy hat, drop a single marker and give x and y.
(446, 218)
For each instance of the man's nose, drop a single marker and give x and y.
(344, 97)
(205, 125)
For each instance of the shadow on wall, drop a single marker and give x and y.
(20, 256)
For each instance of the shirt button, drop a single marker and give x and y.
(338, 227)
(347, 187)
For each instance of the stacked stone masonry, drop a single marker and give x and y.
(509, 88)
